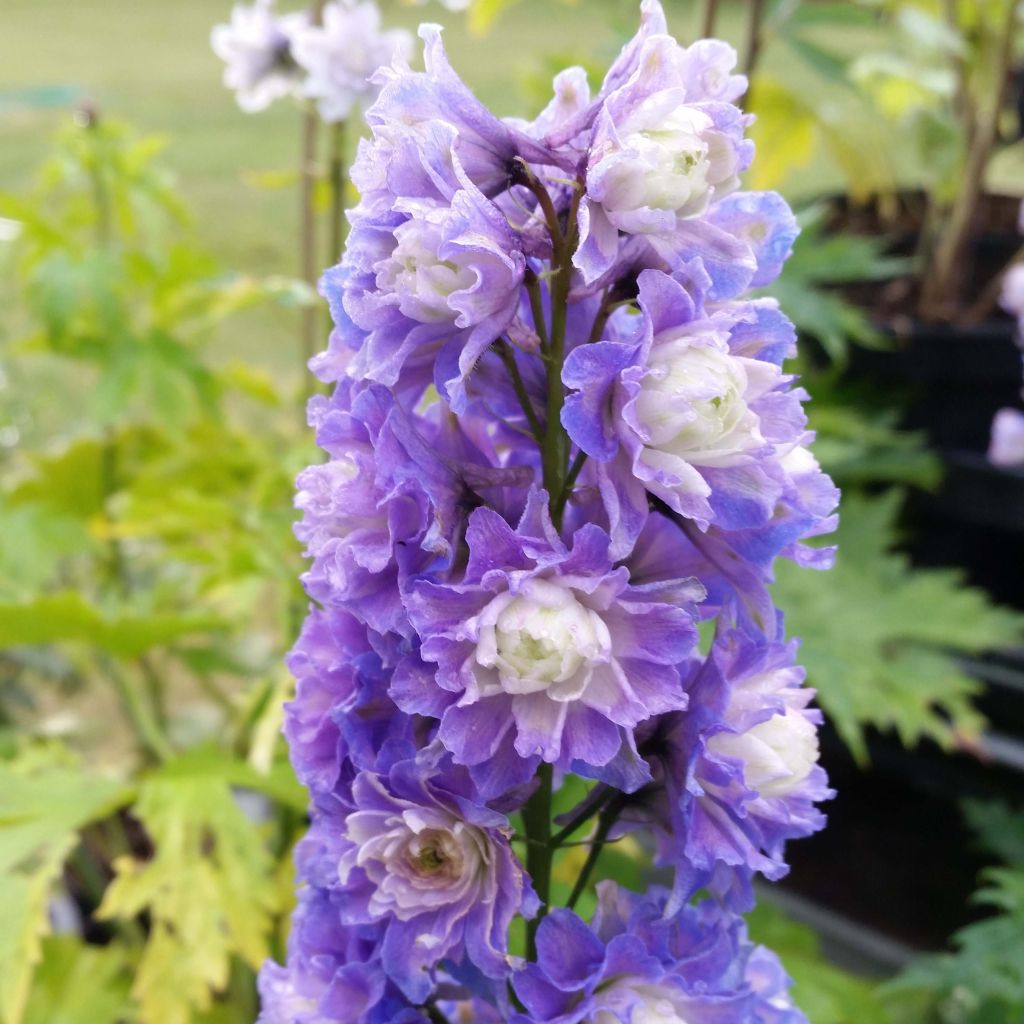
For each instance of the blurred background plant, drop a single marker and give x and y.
(150, 431)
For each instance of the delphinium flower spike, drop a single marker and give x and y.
(561, 440)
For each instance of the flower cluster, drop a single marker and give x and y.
(329, 59)
(561, 449)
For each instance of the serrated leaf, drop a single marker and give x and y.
(208, 890)
(41, 811)
(68, 616)
(999, 829)
(878, 638)
(982, 982)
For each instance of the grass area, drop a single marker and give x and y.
(149, 62)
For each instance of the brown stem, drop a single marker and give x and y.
(939, 294)
(752, 44)
(986, 302)
(709, 11)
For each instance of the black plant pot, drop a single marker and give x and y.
(896, 861)
(951, 382)
(896, 858)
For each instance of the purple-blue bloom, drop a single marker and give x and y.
(635, 965)
(688, 404)
(414, 850)
(333, 974)
(547, 643)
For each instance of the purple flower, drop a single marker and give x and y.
(559, 305)
(341, 53)
(662, 152)
(256, 47)
(547, 644)
(411, 106)
(333, 973)
(418, 853)
(439, 284)
(341, 712)
(634, 965)
(737, 775)
(692, 408)
(1011, 297)
(383, 507)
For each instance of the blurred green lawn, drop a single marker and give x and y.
(149, 62)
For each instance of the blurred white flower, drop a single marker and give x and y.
(341, 54)
(256, 47)
(451, 5)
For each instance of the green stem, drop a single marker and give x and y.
(154, 690)
(337, 178)
(580, 819)
(434, 1015)
(570, 480)
(604, 826)
(307, 231)
(504, 350)
(536, 307)
(147, 730)
(539, 853)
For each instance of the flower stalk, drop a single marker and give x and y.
(587, 275)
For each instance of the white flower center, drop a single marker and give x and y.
(422, 282)
(777, 754)
(692, 404)
(669, 159)
(651, 1004)
(419, 859)
(540, 637)
(670, 164)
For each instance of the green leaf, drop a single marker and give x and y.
(826, 994)
(79, 984)
(68, 616)
(879, 638)
(784, 134)
(982, 982)
(41, 810)
(999, 829)
(860, 447)
(208, 890)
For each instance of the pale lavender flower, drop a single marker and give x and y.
(1007, 444)
(341, 54)
(1012, 296)
(662, 152)
(257, 49)
(690, 406)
